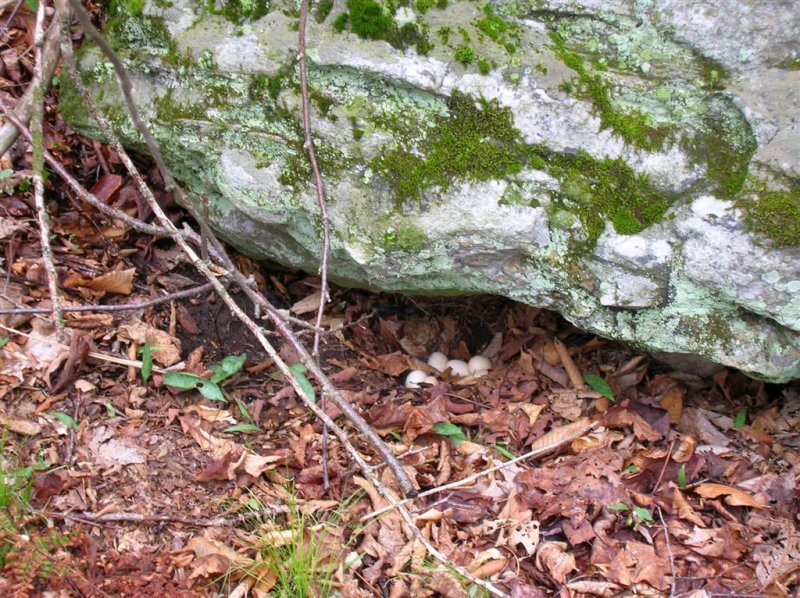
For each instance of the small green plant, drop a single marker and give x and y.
(599, 385)
(637, 516)
(3, 341)
(741, 419)
(451, 431)
(464, 55)
(209, 388)
(682, 476)
(297, 552)
(484, 66)
(146, 351)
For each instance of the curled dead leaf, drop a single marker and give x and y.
(733, 496)
(552, 558)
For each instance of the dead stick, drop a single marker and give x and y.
(323, 210)
(90, 517)
(37, 131)
(572, 370)
(110, 308)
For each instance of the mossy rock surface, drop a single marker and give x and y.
(635, 168)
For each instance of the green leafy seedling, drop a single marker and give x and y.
(65, 419)
(4, 174)
(637, 516)
(146, 351)
(3, 341)
(741, 419)
(210, 389)
(503, 451)
(682, 476)
(246, 428)
(244, 411)
(226, 368)
(599, 385)
(299, 372)
(185, 381)
(451, 431)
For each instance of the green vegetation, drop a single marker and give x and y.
(464, 55)
(370, 19)
(239, 11)
(322, 10)
(774, 214)
(209, 388)
(484, 67)
(633, 126)
(408, 237)
(476, 142)
(637, 516)
(27, 548)
(498, 29)
(597, 190)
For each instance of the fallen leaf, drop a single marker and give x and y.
(733, 496)
(552, 558)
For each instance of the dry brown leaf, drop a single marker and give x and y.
(552, 558)
(446, 584)
(210, 414)
(306, 304)
(685, 449)
(166, 348)
(565, 402)
(394, 364)
(558, 436)
(20, 426)
(118, 281)
(733, 496)
(683, 509)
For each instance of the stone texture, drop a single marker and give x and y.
(637, 169)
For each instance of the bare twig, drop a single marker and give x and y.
(672, 592)
(471, 478)
(94, 518)
(323, 210)
(312, 158)
(572, 370)
(48, 62)
(111, 308)
(37, 130)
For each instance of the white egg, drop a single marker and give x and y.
(432, 380)
(479, 364)
(480, 373)
(414, 378)
(438, 361)
(458, 367)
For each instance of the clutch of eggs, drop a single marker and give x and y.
(476, 367)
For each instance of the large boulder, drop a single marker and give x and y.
(633, 164)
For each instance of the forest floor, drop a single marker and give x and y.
(648, 481)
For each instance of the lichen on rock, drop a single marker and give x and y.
(610, 164)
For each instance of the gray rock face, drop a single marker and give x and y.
(634, 165)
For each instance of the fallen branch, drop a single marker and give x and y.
(37, 116)
(323, 210)
(48, 61)
(95, 518)
(111, 308)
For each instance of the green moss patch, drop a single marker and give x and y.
(370, 19)
(775, 215)
(633, 126)
(476, 142)
(601, 190)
